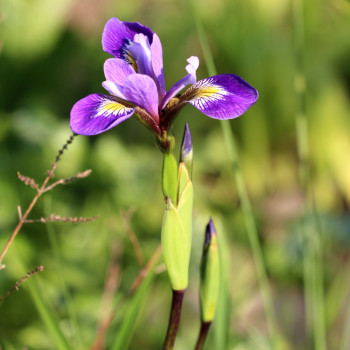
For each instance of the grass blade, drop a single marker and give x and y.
(127, 328)
(47, 316)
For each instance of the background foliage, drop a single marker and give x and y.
(51, 56)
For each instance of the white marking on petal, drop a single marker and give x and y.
(206, 92)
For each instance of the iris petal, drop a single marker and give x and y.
(117, 34)
(190, 78)
(114, 89)
(97, 113)
(157, 64)
(141, 53)
(223, 96)
(117, 70)
(142, 90)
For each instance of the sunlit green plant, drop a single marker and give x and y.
(135, 82)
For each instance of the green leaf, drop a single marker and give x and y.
(127, 329)
(175, 247)
(169, 176)
(46, 315)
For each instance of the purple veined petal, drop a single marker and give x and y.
(223, 96)
(136, 27)
(141, 53)
(157, 65)
(190, 78)
(114, 89)
(142, 90)
(98, 113)
(117, 70)
(117, 33)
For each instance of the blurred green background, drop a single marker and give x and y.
(51, 56)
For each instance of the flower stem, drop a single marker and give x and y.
(174, 319)
(202, 335)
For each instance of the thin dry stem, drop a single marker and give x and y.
(126, 217)
(82, 175)
(112, 283)
(58, 218)
(23, 279)
(40, 191)
(28, 181)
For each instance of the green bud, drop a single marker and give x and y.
(185, 203)
(175, 247)
(210, 274)
(169, 177)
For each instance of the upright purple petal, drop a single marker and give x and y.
(98, 113)
(117, 34)
(157, 65)
(114, 89)
(139, 28)
(190, 78)
(223, 96)
(117, 70)
(142, 90)
(141, 53)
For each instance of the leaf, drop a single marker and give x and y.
(47, 316)
(127, 329)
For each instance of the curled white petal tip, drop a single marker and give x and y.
(193, 65)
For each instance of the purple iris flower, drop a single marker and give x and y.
(135, 82)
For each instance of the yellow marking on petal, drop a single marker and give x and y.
(111, 108)
(209, 92)
(131, 61)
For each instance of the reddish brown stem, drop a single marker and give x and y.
(202, 335)
(174, 319)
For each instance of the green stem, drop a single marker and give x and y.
(174, 319)
(312, 257)
(202, 335)
(245, 203)
(252, 234)
(345, 343)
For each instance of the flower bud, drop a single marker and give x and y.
(186, 155)
(169, 177)
(175, 247)
(210, 274)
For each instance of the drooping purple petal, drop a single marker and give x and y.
(98, 113)
(157, 64)
(190, 78)
(223, 96)
(117, 34)
(142, 90)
